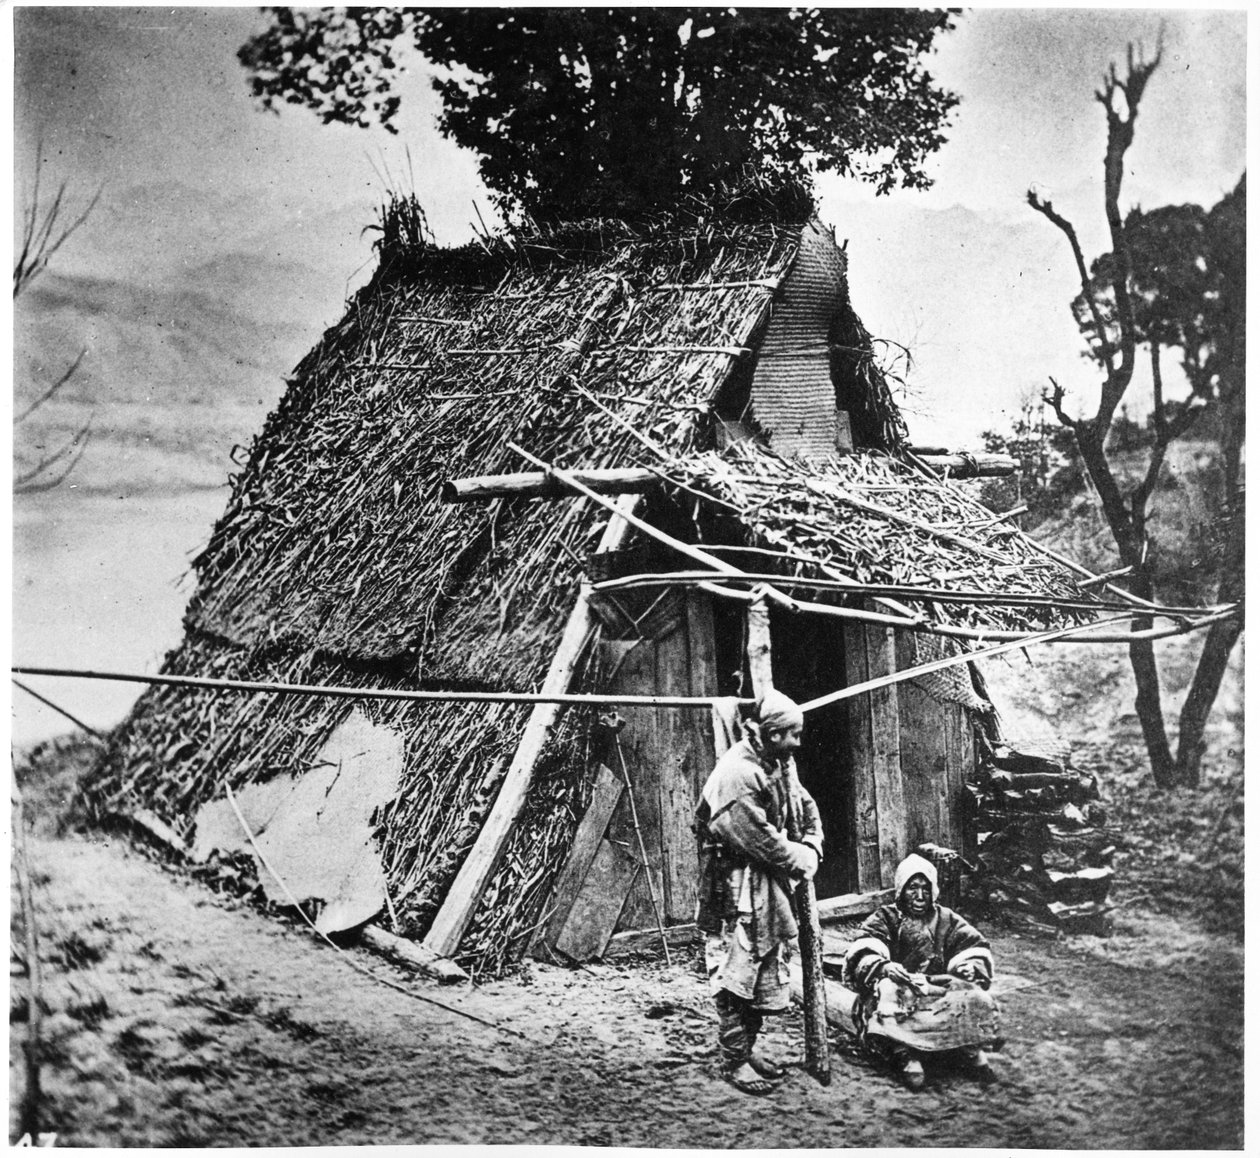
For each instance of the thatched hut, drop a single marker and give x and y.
(715, 351)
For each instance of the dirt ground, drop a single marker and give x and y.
(178, 1017)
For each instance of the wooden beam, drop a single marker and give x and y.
(848, 905)
(864, 835)
(808, 935)
(635, 480)
(886, 750)
(647, 940)
(479, 865)
(594, 915)
(962, 464)
(416, 956)
(604, 797)
(760, 664)
(543, 484)
(840, 1001)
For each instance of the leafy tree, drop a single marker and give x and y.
(622, 110)
(1049, 467)
(1174, 279)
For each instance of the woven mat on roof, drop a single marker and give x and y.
(873, 519)
(951, 685)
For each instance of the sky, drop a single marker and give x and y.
(148, 104)
(150, 107)
(119, 96)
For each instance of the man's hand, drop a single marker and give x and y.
(810, 860)
(968, 971)
(898, 973)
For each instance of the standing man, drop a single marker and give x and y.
(747, 869)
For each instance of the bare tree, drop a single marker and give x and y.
(44, 231)
(1116, 318)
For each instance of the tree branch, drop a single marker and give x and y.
(38, 478)
(34, 406)
(1048, 211)
(1120, 128)
(1055, 401)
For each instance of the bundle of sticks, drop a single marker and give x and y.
(1044, 851)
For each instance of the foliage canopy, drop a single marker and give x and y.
(576, 111)
(1187, 282)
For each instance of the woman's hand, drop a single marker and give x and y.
(898, 973)
(968, 971)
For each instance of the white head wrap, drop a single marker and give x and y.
(776, 711)
(915, 865)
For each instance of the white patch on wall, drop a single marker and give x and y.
(315, 829)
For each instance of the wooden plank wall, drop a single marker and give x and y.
(668, 753)
(878, 832)
(937, 749)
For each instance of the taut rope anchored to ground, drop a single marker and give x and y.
(227, 788)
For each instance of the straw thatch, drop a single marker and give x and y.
(335, 561)
(874, 519)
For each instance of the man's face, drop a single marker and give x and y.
(917, 895)
(783, 741)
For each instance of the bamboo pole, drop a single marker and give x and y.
(941, 664)
(906, 591)
(30, 691)
(334, 691)
(979, 635)
(479, 865)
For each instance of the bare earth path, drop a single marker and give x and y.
(181, 1018)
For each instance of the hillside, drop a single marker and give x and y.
(172, 376)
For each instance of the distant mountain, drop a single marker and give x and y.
(172, 375)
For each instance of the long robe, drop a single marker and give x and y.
(747, 862)
(941, 1011)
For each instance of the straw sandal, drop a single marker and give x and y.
(770, 1070)
(754, 1085)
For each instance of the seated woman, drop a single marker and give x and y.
(921, 973)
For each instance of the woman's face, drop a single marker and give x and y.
(917, 895)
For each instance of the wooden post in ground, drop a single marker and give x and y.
(479, 865)
(814, 991)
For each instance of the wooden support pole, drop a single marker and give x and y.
(760, 654)
(479, 865)
(540, 484)
(809, 934)
(961, 464)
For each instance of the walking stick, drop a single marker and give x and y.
(813, 990)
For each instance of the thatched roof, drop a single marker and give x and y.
(870, 518)
(335, 538)
(335, 561)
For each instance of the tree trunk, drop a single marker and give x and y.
(1150, 708)
(1128, 529)
(1213, 661)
